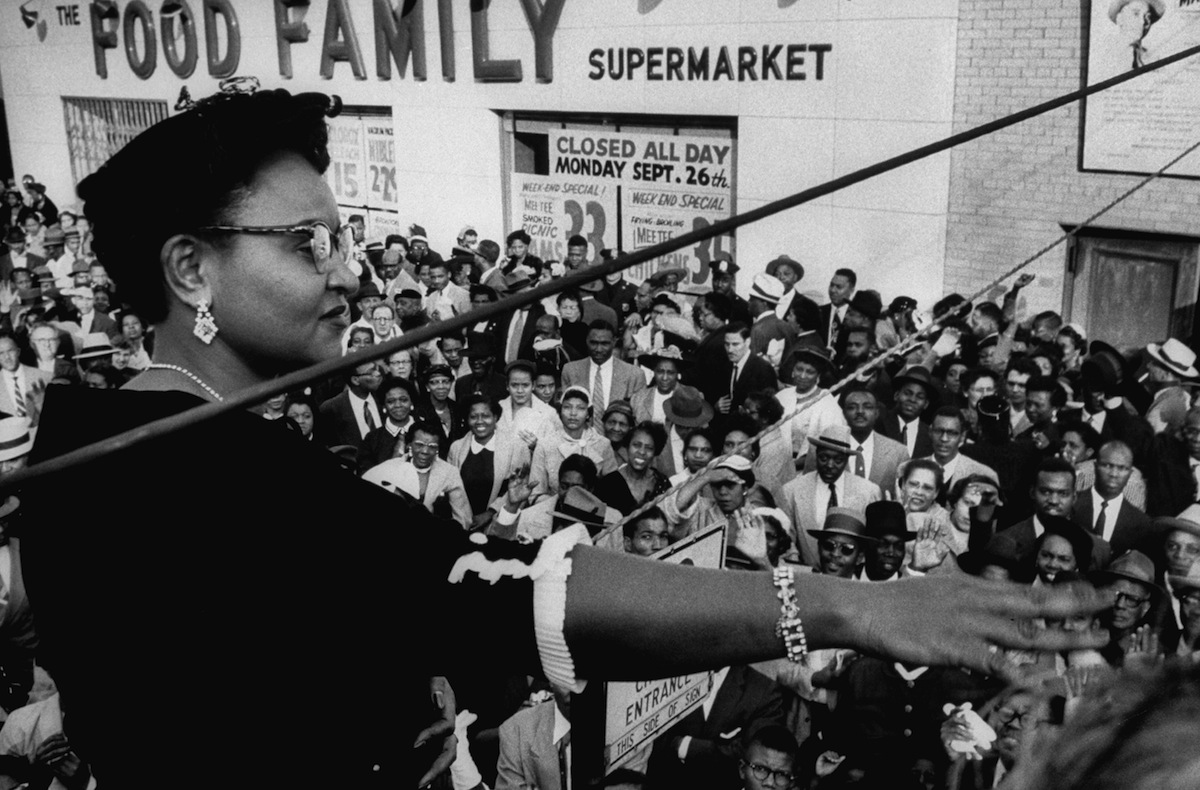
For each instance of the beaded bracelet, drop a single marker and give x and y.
(789, 626)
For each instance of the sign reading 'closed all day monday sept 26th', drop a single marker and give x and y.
(652, 187)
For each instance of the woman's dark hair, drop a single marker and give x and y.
(214, 150)
(363, 330)
(653, 514)
(422, 426)
(656, 432)
(303, 399)
(582, 465)
(740, 422)
(474, 400)
(770, 411)
(569, 293)
(960, 486)
(395, 382)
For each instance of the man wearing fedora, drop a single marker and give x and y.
(1179, 551)
(771, 337)
(789, 272)
(841, 290)
(808, 498)
(592, 308)
(17, 257)
(1131, 577)
(518, 327)
(913, 392)
(1169, 366)
(876, 457)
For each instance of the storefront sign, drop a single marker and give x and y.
(554, 208)
(1140, 125)
(669, 185)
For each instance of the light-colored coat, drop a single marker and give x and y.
(799, 503)
(510, 455)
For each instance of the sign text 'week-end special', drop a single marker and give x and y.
(398, 32)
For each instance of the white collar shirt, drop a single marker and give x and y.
(476, 447)
(675, 445)
(910, 434)
(657, 399)
(1110, 513)
(356, 406)
(397, 430)
(1038, 526)
(821, 496)
(949, 469)
(867, 446)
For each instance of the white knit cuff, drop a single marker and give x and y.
(550, 573)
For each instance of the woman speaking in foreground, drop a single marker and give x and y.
(263, 618)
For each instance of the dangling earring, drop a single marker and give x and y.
(206, 327)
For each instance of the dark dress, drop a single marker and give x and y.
(613, 491)
(257, 600)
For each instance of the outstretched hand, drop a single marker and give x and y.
(956, 620)
(442, 729)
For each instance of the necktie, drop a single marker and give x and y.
(564, 762)
(367, 416)
(18, 398)
(835, 326)
(598, 402)
(1099, 528)
(1137, 56)
(903, 432)
(833, 500)
(733, 380)
(858, 463)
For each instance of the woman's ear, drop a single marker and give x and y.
(182, 258)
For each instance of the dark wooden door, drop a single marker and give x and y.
(1130, 292)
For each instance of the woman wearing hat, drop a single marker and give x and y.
(814, 406)
(667, 364)
(617, 423)
(439, 408)
(518, 254)
(329, 577)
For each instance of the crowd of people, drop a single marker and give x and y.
(1001, 445)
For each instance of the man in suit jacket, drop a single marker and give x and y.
(487, 257)
(744, 702)
(529, 748)
(515, 332)
(1053, 497)
(617, 380)
(807, 498)
(913, 391)
(591, 307)
(90, 319)
(17, 256)
(344, 417)
(879, 457)
(948, 432)
(1103, 511)
(744, 372)
(23, 385)
(841, 290)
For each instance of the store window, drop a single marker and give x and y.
(623, 183)
(98, 128)
(362, 168)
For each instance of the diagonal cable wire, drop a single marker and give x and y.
(278, 386)
(908, 345)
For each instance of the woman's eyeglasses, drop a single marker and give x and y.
(324, 240)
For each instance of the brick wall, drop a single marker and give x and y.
(1011, 192)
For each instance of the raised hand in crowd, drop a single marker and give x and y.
(439, 734)
(1144, 647)
(751, 536)
(932, 544)
(56, 756)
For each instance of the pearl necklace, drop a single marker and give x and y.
(190, 375)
